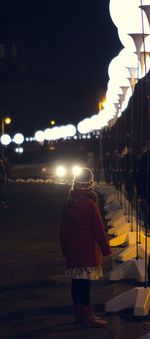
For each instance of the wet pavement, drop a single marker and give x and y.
(35, 300)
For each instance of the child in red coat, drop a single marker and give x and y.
(84, 243)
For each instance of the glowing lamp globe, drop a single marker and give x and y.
(126, 15)
(113, 87)
(56, 133)
(18, 138)
(119, 9)
(126, 40)
(128, 59)
(104, 117)
(80, 127)
(84, 126)
(5, 139)
(71, 130)
(59, 132)
(39, 136)
(110, 105)
(121, 81)
(48, 134)
(111, 97)
(116, 69)
(94, 122)
(60, 171)
(136, 25)
(66, 131)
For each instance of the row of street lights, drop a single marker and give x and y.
(5, 139)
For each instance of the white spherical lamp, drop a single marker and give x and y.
(18, 138)
(5, 139)
(39, 136)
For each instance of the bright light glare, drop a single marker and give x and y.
(60, 171)
(71, 130)
(121, 10)
(48, 134)
(76, 170)
(18, 138)
(7, 121)
(19, 150)
(39, 136)
(84, 126)
(5, 139)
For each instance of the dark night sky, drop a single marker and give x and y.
(71, 44)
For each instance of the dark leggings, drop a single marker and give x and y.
(80, 291)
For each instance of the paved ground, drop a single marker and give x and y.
(35, 298)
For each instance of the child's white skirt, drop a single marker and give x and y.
(91, 273)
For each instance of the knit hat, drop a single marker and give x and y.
(84, 180)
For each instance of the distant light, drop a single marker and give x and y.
(95, 122)
(18, 138)
(71, 130)
(53, 122)
(19, 150)
(101, 104)
(55, 133)
(52, 148)
(5, 139)
(84, 126)
(60, 171)
(29, 139)
(39, 136)
(7, 121)
(48, 134)
(62, 132)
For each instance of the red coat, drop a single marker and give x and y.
(82, 235)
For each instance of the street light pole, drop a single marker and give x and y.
(2, 132)
(3, 126)
(7, 121)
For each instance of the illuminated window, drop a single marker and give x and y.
(13, 51)
(2, 51)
